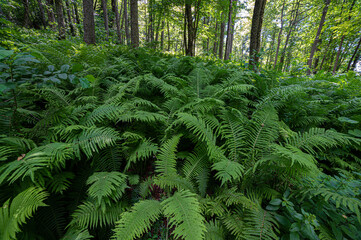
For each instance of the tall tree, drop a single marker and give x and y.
(126, 22)
(215, 45)
(88, 22)
(229, 32)
(117, 20)
(354, 55)
(335, 66)
(105, 16)
(317, 38)
(280, 34)
(191, 21)
(42, 14)
(60, 18)
(134, 23)
(255, 41)
(221, 37)
(72, 30)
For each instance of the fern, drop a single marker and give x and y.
(166, 162)
(184, 215)
(18, 210)
(133, 224)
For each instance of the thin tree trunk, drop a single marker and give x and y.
(105, 16)
(95, 5)
(162, 37)
(42, 14)
(168, 36)
(357, 58)
(88, 23)
(221, 38)
(126, 25)
(255, 41)
(215, 45)
(151, 27)
(134, 23)
(353, 55)
(315, 42)
(279, 35)
(76, 12)
(72, 30)
(189, 20)
(229, 32)
(60, 18)
(117, 21)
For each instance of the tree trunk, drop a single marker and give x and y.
(27, 22)
(117, 20)
(315, 42)
(60, 18)
(229, 32)
(168, 49)
(357, 58)
(162, 37)
(126, 25)
(215, 45)
(105, 16)
(42, 14)
(189, 21)
(279, 35)
(221, 38)
(353, 55)
(72, 30)
(255, 41)
(134, 23)
(88, 23)
(76, 12)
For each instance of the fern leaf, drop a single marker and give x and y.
(184, 215)
(166, 162)
(134, 223)
(16, 212)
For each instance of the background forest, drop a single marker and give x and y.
(180, 119)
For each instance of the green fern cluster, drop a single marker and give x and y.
(140, 144)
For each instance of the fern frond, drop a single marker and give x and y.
(143, 150)
(77, 234)
(106, 184)
(184, 215)
(90, 215)
(214, 231)
(16, 212)
(134, 223)
(166, 162)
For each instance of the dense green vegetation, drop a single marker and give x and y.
(107, 131)
(109, 142)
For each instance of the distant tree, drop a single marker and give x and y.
(60, 18)
(105, 16)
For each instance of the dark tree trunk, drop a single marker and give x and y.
(126, 25)
(134, 23)
(105, 16)
(72, 30)
(76, 12)
(315, 42)
(229, 32)
(357, 58)
(353, 55)
(88, 23)
(50, 13)
(117, 20)
(255, 41)
(27, 22)
(189, 21)
(221, 38)
(60, 18)
(279, 35)
(42, 14)
(95, 5)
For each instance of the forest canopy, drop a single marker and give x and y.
(180, 119)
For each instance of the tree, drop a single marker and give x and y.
(105, 16)
(229, 32)
(117, 20)
(354, 55)
(317, 38)
(42, 14)
(221, 37)
(27, 22)
(255, 41)
(60, 18)
(134, 31)
(88, 22)
(279, 34)
(72, 30)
